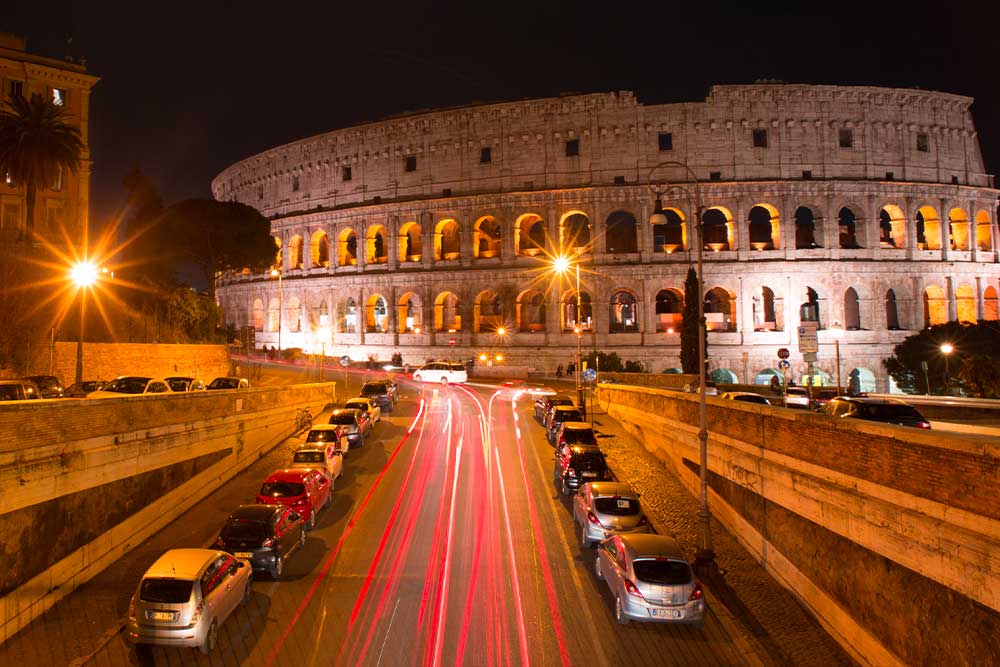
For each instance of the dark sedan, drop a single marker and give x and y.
(263, 535)
(382, 393)
(885, 410)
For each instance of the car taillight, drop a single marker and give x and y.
(632, 589)
(924, 425)
(697, 593)
(196, 616)
(593, 519)
(220, 543)
(267, 543)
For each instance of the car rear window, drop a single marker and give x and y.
(8, 392)
(617, 506)
(241, 529)
(342, 419)
(127, 385)
(568, 416)
(308, 457)
(457, 368)
(750, 398)
(373, 389)
(579, 436)
(224, 383)
(282, 489)
(663, 571)
(588, 461)
(171, 591)
(321, 435)
(891, 411)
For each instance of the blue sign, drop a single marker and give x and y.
(784, 365)
(590, 375)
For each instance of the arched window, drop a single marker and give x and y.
(486, 315)
(861, 380)
(965, 304)
(669, 310)
(764, 227)
(984, 231)
(347, 248)
(273, 314)
(958, 229)
(293, 313)
(295, 247)
(320, 250)
(569, 312)
(928, 229)
(376, 314)
(446, 315)
(530, 235)
(852, 310)
(670, 237)
(409, 314)
(576, 233)
(530, 311)
(448, 241)
(891, 311)
(720, 310)
(624, 313)
(486, 238)
(375, 247)
(935, 306)
(991, 305)
(810, 310)
(892, 227)
(621, 233)
(277, 253)
(805, 228)
(724, 376)
(349, 321)
(258, 315)
(768, 312)
(848, 226)
(717, 229)
(410, 242)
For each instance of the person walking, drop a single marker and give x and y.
(559, 371)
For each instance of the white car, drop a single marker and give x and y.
(366, 405)
(443, 372)
(132, 385)
(797, 397)
(326, 456)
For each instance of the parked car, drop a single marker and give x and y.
(557, 415)
(797, 397)
(356, 424)
(441, 371)
(185, 596)
(575, 433)
(18, 390)
(305, 491)
(382, 392)
(544, 403)
(325, 457)
(603, 509)
(650, 580)
(885, 410)
(576, 465)
(823, 395)
(367, 406)
(263, 535)
(229, 383)
(81, 389)
(49, 386)
(184, 383)
(329, 433)
(745, 397)
(131, 385)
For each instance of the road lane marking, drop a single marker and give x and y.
(386, 638)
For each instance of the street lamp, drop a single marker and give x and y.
(837, 332)
(84, 275)
(561, 265)
(276, 273)
(946, 350)
(705, 555)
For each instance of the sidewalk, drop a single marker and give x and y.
(769, 616)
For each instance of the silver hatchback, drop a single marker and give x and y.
(650, 580)
(185, 596)
(603, 509)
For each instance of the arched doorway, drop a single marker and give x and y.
(669, 310)
(847, 224)
(720, 310)
(724, 376)
(805, 229)
(852, 310)
(765, 227)
(621, 233)
(670, 237)
(891, 311)
(530, 311)
(575, 231)
(623, 313)
(935, 306)
(861, 380)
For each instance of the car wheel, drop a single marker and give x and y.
(584, 540)
(245, 602)
(312, 520)
(211, 638)
(620, 611)
(597, 567)
(444, 380)
(565, 488)
(278, 567)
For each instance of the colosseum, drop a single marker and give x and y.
(433, 234)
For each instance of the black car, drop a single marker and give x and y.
(578, 464)
(885, 410)
(557, 415)
(81, 389)
(264, 535)
(18, 390)
(49, 386)
(381, 392)
(544, 403)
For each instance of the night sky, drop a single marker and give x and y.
(188, 89)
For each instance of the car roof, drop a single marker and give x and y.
(358, 399)
(178, 377)
(743, 393)
(579, 425)
(324, 427)
(340, 411)
(182, 563)
(865, 400)
(287, 475)
(255, 512)
(565, 408)
(134, 377)
(312, 447)
(561, 397)
(612, 489)
(651, 545)
(585, 449)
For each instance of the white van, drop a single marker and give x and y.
(444, 372)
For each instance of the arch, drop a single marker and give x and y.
(818, 378)
(295, 252)
(671, 236)
(277, 252)
(861, 379)
(530, 311)
(806, 228)
(764, 376)
(891, 311)
(293, 313)
(574, 232)
(768, 310)
(810, 309)
(257, 315)
(621, 233)
(928, 228)
(623, 316)
(486, 238)
(892, 227)
(349, 316)
(446, 314)
(273, 314)
(410, 242)
(487, 314)
(720, 310)
(376, 314)
(991, 304)
(965, 304)
(984, 231)
(724, 376)
(852, 310)
(958, 229)
(447, 240)
(410, 313)
(935, 306)
(530, 235)
(347, 248)
(569, 307)
(319, 249)
(669, 310)
(324, 314)
(765, 227)
(847, 224)
(717, 229)
(376, 248)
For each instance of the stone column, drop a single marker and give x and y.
(945, 228)
(505, 218)
(980, 305)
(362, 322)
(644, 233)
(950, 295)
(466, 227)
(649, 291)
(599, 229)
(553, 314)
(392, 241)
(740, 213)
(830, 235)
(427, 232)
(307, 256)
(362, 246)
(872, 231)
(973, 232)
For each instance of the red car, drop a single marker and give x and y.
(305, 491)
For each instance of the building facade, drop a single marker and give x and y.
(866, 208)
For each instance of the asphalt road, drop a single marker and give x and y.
(446, 543)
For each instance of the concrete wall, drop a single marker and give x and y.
(104, 361)
(890, 536)
(85, 481)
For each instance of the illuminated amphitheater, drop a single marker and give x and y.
(427, 233)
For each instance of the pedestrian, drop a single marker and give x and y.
(570, 369)
(775, 384)
(559, 371)
(265, 351)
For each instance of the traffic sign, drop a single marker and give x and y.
(808, 339)
(783, 353)
(784, 364)
(590, 375)
(345, 361)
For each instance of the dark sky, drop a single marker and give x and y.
(188, 89)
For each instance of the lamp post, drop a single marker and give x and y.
(837, 332)
(276, 273)
(946, 350)
(84, 275)
(705, 555)
(561, 265)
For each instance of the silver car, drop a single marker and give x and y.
(650, 580)
(185, 596)
(603, 509)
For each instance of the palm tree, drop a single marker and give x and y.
(36, 145)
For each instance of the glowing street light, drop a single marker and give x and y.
(84, 276)
(946, 350)
(561, 265)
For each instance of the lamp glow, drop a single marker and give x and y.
(947, 348)
(560, 264)
(83, 274)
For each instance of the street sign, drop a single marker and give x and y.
(809, 357)
(345, 361)
(808, 339)
(783, 353)
(590, 375)
(784, 365)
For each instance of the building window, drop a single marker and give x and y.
(807, 175)
(295, 183)
(760, 138)
(345, 173)
(485, 155)
(889, 175)
(572, 148)
(619, 180)
(58, 97)
(666, 141)
(411, 163)
(846, 137)
(15, 89)
(715, 175)
(923, 142)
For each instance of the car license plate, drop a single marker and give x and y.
(161, 615)
(245, 555)
(666, 613)
(590, 474)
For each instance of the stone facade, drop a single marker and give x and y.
(415, 232)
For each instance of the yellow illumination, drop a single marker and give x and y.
(560, 264)
(947, 348)
(499, 357)
(482, 357)
(501, 331)
(83, 274)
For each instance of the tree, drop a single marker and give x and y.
(219, 236)
(980, 374)
(971, 341)
(689, 326)
(36, 146)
